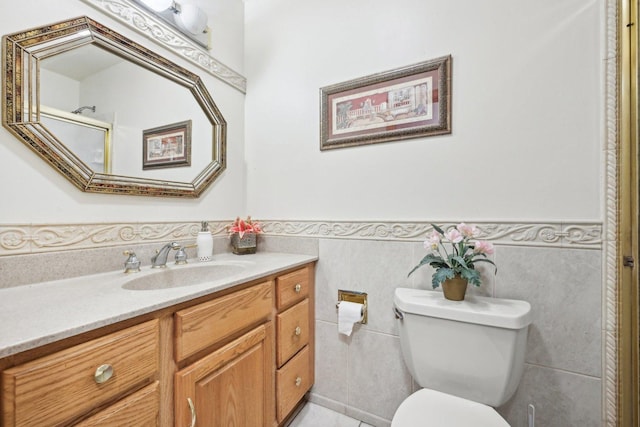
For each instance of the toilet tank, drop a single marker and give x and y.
(473, 349)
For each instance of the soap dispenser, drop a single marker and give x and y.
(205, 243)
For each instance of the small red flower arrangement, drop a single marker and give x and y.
(243, 235)
(241, 227)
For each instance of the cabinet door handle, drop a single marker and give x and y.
(298, 331)
(103, 374)
(298, 288)
(298, 381)
(192, 408)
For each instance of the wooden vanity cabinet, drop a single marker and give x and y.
(242, 357)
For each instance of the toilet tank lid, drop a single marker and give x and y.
(498, 312)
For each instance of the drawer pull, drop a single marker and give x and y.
(298, 288)
(298, 331)
(103, 373)
(298, 381)
(193, 412)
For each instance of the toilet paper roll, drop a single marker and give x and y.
(349, 313)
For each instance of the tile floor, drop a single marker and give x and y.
(313, 415)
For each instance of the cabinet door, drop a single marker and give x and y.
(232, 386)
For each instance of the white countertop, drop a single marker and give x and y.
(42, 313)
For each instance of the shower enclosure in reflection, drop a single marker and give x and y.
(88, 138)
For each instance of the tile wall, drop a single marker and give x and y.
(364, 377)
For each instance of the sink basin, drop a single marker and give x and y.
(189, 275)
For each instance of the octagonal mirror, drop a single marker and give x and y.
(109, 114)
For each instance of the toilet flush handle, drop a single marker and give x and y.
(398, 313)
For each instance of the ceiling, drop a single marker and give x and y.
(81, 62)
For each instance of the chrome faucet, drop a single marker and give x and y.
(159, 260)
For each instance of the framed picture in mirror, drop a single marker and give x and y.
(167, 146)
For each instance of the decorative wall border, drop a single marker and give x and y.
(556, 234)
(140, 20)
(20, 239)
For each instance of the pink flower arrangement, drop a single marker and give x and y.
(465, 251)
(243, 227)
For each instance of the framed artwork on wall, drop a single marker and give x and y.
(409, 102)
(167, 146)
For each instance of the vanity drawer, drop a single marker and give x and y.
(292, 287)
(205, 324)
(140, 410)
(292, 381)
(58, 388)
(292, 328)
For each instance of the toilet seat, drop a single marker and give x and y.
(430, 408)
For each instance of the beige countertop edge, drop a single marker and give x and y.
(41, 313)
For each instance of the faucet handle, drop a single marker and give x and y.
(181, 255)
(132, 264)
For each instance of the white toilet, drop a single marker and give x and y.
(468, 355)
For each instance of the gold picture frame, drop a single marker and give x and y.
(409, 102)
(167, 146)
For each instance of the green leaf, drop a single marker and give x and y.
(460, 261)
(438, 229)
(441, 275)
(472, 276)
(435, 261)
(490, 262)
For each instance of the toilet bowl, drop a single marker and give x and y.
(430, 408)
(468, 355)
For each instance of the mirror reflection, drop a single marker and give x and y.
(113, 113)
(94, 83)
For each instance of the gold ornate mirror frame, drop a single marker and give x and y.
(21, 55)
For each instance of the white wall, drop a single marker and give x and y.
(527, 123)
(64, 90)
(31, 191)
(527, 110)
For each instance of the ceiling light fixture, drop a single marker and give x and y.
(188, 18)
(160, 5)
(191, 18)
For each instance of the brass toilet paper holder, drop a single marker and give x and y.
(356, 297)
